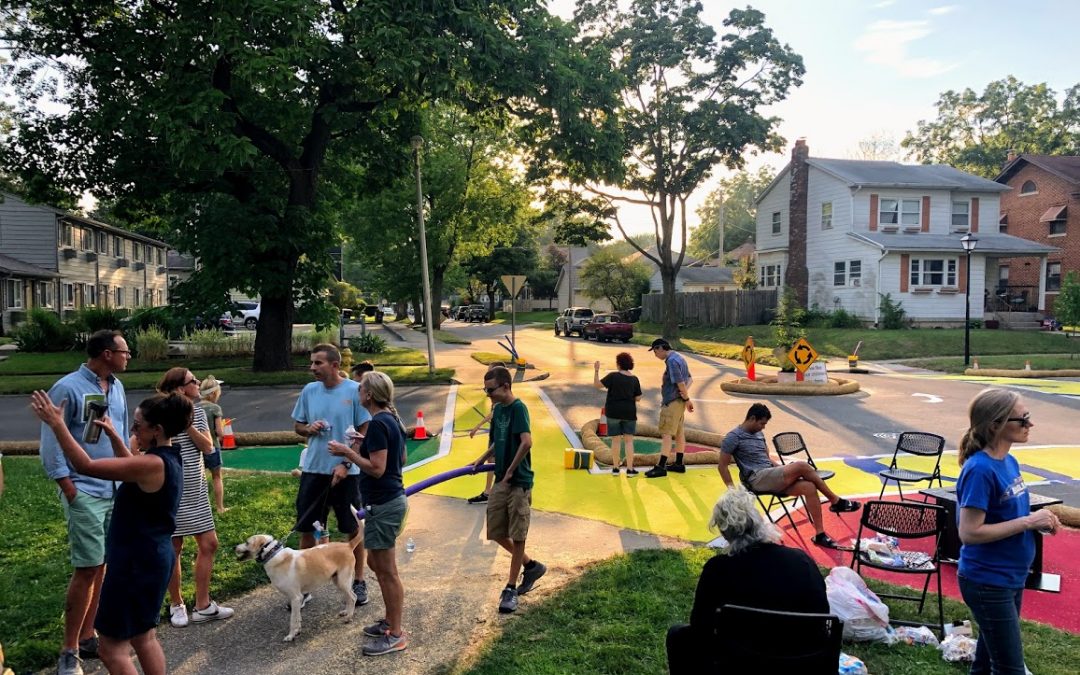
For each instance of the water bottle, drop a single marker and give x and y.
(319, 532)
(410, 545)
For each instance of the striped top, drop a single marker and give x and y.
(194, 515)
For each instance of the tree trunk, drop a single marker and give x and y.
(418, 307)
(436, 298)
(671, 319)
(273, 339)
(491, 301)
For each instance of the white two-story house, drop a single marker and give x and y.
(843, 233)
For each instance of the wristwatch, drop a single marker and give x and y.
(347, 465)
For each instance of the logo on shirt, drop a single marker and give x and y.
(1013, 491)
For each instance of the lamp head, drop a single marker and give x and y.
(969, 242)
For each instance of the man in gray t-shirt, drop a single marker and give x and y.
(745, 445)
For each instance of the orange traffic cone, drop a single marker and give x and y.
(750, 371)
(228, 438)
(601, 429)
(420, 432)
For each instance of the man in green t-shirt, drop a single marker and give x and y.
(508, 506)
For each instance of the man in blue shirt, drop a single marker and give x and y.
(326, 408)
(87, 501)
(674, 404)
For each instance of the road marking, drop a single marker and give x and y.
(446, 437)
(568, 431)
(930, 398)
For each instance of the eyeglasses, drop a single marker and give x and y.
(1024, 421)
(190, 382)
(492, 390)
(119, 351)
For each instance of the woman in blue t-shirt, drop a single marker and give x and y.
(996, 524)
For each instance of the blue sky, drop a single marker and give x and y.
(878, 67)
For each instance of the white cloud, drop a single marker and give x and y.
(943, 10)
(886, 43)
(883, 4)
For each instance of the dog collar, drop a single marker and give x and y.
(264, 556)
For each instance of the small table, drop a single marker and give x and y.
(950, 538)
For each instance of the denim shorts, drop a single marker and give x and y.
(621, 427)
(213, 460)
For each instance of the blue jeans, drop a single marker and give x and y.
(997, 612)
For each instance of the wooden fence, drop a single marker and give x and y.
(714, 308)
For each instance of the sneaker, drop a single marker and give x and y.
(303, 603)
(478, 499)
(632, 472)
(377, 629)
(70, 663)
(825, 540)
(211, 612)
(178, 616)
(360, 588)
(614, 471)
(88, 648)
(677, 467)
(530, 576)
(656, 472)
(508, 601)
(386, 643)
(844, 506)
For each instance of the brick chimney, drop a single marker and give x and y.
(1011, 157)
(797, 276)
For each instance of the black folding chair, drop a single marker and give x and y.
(769, 639)
(787, 445)
(905, 521)
(917, 443)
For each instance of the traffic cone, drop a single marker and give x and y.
(601, 429)
(750, 371)
(420, 432)
(228, 438)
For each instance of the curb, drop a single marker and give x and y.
(388, 329)
(1001, 372)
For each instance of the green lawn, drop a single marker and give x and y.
(450, 338)
(955, 364)
(546, 316)
(613, 619)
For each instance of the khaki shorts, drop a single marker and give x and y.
(384, 523)
(508, 512)
(87, 523)
(768, 480)
(671, 418)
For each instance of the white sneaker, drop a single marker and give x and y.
(178, 616)
(212, 612)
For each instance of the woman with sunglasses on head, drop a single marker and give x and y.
(138, 545)
(996, 524)
(194, 518)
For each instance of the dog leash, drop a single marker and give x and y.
(318, 502)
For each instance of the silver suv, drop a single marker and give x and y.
(572, 320)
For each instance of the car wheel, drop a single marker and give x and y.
(251, 323)
(556, 330)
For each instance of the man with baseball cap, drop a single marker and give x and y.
(674, 404)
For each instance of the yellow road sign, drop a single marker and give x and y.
(748, 351)
(802, 355)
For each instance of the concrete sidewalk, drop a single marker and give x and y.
(452, 584)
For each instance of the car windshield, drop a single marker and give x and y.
(583, 312)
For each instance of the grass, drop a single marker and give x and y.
(488, 358)
(450, 338)
(955, 364)
(544, 316)
(4, 340)
(613, 619)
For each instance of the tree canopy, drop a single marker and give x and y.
(734, 198)
(974, 132)
(606, 275)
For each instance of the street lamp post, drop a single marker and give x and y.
(417, 142)
(969, 243)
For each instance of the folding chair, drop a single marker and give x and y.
(917, 443)
(905, 521)
(769, 639)
(787, 444)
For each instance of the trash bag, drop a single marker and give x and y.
(957, 647)
(865, 616)
(851, 665)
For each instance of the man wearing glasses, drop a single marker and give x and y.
(87, 501)
(508, 507)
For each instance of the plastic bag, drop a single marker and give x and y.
(865, 616)
(915, 636)
(850, 665)
(958, 648)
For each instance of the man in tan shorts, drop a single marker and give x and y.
(674, 404)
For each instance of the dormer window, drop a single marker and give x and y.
(1029, 188)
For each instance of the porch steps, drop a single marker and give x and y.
(1020, 320)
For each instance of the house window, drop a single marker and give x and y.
(933, 272)
(1003, 276)
(1053, 276)
(900, 212)
(776, 222)
(89, 294)
(118, 247)
(86, 241)
(160, 256)
(847, 273)
(1029, 188)
(839, 275)
(136, 296)
(69, 295)
(961, 215)
(1057, 226)
(149, 254)
(136, 251)
(102, 242)
(67, 236)
(770, 276)
(13, 289)
(854, 274)
(46, 294)
(119, 296)
(826, 215)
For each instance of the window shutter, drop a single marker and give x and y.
(961, 272)
(926, 213)
(905, 272)
(873, 213)
(974, 214)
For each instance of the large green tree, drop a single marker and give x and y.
(733, 203)
(974, 132)
(606, 275)
(488, 269)
(219, 124)
(692, 98)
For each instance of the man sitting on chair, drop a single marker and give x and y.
(745, 444)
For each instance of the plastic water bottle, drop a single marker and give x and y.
(410, 545)
(319, 532)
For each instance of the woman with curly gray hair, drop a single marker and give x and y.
(754, 570)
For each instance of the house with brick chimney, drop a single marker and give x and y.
(843, 233)
(1043, 206)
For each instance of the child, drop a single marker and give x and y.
(210, 393)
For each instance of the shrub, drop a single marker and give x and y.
(164, 317)
(842, 318)
(43, 331)
(93, 319)
(815, 317)
(303, 342)
(207, 342)
(893, 316)
(151, 344)
(367, 344)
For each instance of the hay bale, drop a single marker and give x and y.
(602, 452)
(249, 438)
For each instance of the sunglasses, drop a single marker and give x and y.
(191, 382)
(492, 390)
(1024, 421)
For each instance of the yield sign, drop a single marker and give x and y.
(802, 355)
(514, 283)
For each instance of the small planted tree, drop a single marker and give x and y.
(787, 327)
(1067, 305)
(892, 314)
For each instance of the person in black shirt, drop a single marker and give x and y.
(623, 393)
(752, 571)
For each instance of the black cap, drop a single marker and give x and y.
(658, 343)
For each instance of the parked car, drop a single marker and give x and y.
(478, 313)
(606, 328)
(245, 313)
(461, 313)
(224, 322)
(572, 320)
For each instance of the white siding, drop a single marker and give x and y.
(28, 233)
(777, 199)
(934, 306)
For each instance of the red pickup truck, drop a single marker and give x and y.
(607, 327)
